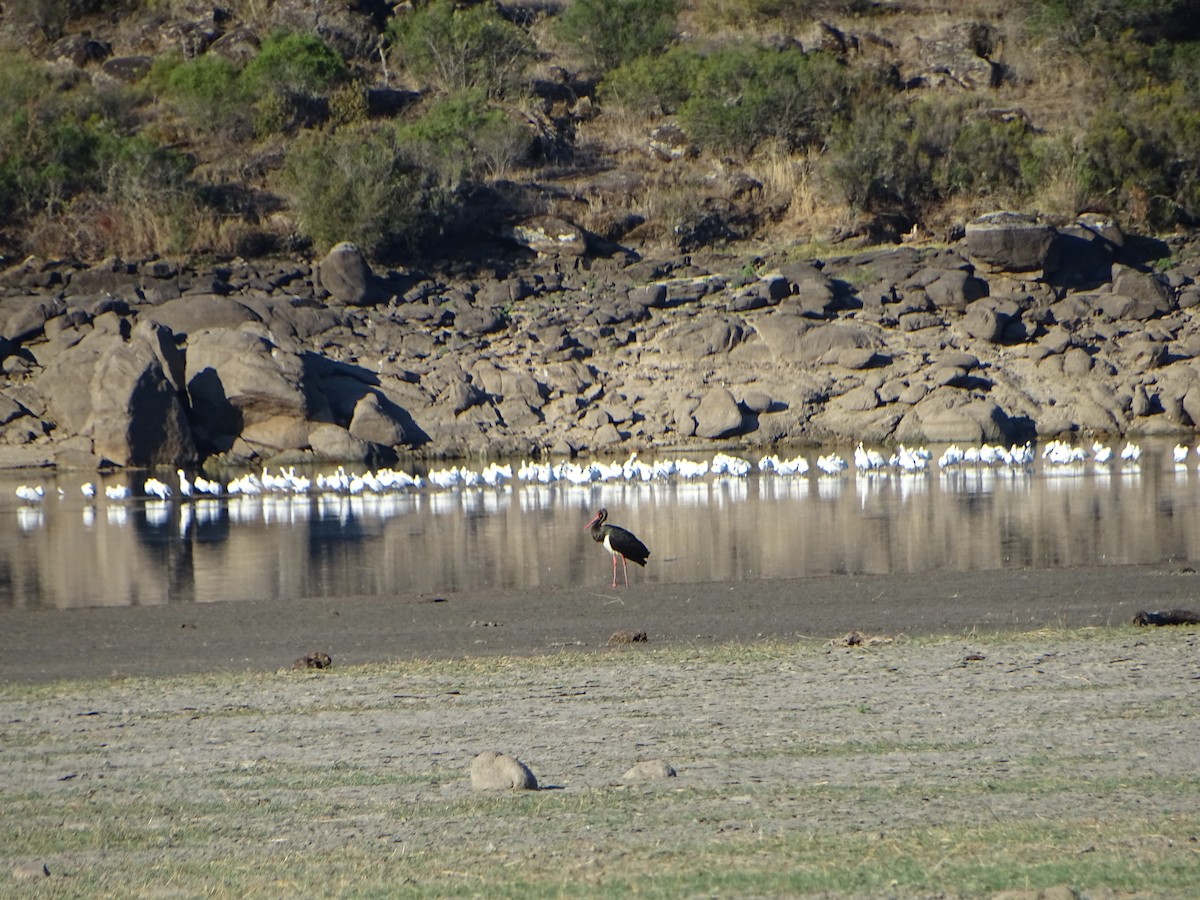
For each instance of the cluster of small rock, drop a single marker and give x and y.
(492, 770)
(1018, 331)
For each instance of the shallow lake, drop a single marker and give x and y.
(69, 551)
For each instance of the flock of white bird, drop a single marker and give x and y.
(1056, 455)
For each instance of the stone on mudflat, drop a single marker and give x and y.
(649, 770)
(1084, 251)
(859, 399)
(984, 323)
(235, 379)
(549, 236)
(817, 342)
(493, 771)
(196, 312)
(949, 415)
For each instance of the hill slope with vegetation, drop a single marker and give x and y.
(174, 128)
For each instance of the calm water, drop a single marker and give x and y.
(67, 552)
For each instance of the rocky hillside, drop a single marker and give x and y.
(567, 246)
(437, 131)
(1019, 331)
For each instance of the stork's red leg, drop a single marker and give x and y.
(614, 556)
(625, 568)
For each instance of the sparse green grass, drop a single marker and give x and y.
(134, 801)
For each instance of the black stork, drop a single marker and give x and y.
(618, 542)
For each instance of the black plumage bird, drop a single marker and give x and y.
(618, 542)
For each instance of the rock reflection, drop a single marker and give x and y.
(74, 552)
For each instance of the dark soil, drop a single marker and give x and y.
(263, 636)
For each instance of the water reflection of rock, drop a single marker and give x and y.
(68, 554)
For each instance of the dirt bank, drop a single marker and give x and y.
(262, 636)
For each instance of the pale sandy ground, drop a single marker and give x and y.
(800, 740)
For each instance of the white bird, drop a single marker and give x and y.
(868, 460)
(88, 489)
(1180, 453)
(909, 460)
(797, 465)
(1131, 452)
(690, 469)
(831, 464)
(116, 491)
(185, 486)
(445, 478)
(952, 456)
(1021, 456)
(31, 494)
(723, 464)
(206, 486)
(1100, 453)
(155, 488)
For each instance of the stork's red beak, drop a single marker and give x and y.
(592, 522)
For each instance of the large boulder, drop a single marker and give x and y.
(379, 421)
(345, 275)
(236, 379)
(137, 418)
(492, 771)
(718, 415)
(1009, 242)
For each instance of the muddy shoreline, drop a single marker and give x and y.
(39, 646)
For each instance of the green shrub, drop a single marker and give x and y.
(290, 63)
(716, 16)
(984, 155)
(1142, 157)
(743, 96)
(1080, 22)
(903, 157)
(612, 32)
(455, 49)
(653, 85)
(353, 185)
(463, 138)
(878, 161)
(206, 89)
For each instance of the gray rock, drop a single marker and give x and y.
(136, 417)
(718, 415)
(332, 443)
(1144, 295)
(859, 399)
(950, 415)
(236, 379)
(984, 323)
(201, 311)
(378, 421)
(1009, 242)
(493, 771)
(549, 236)
(954, 289)
(757, 401)
(649, 770)
(817, 342)
(782, 332)
(344, 273)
